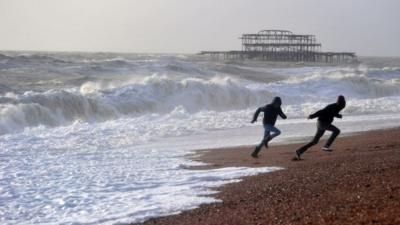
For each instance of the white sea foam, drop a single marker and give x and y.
(98, 174)
(101, 138)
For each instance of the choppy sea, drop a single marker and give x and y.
(101, 138)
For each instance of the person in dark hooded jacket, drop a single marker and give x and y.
(325, 118)
(271, 112)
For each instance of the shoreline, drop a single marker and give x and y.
(359, 182)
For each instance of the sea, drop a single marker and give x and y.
(106, 138)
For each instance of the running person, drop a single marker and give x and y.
(325, 119)
(271, 112)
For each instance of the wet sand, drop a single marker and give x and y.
(357, 183)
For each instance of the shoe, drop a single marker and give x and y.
(254, 154)
(297, 156)
(327, 149)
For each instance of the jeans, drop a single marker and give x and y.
(321, 128)
(269, 133)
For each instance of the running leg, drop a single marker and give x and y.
(335, 133)
(314, 141)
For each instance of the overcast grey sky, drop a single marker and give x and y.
(369, 27)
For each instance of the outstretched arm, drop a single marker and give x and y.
(339, 116)
(281, 114)
(316, 114)
(256, 115)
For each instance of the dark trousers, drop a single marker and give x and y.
(321, 128)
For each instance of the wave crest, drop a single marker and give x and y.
(95, 102)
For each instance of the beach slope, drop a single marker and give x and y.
(357, 183)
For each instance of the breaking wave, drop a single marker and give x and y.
(95, 102)
(351, 83)
(59, 89)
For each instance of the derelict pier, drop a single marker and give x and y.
(282, 46)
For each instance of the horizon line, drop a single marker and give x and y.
(155, 53)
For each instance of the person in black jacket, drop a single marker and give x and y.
(271, 112)
(325, 119)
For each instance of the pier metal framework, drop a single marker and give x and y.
(282, 45)
(279, 41)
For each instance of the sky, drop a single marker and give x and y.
(367, 27)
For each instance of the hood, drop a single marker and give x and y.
(277, 101)
(341, 101)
